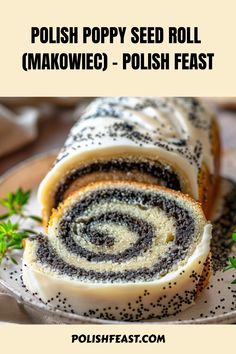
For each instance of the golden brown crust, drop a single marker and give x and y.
(106, 177)
(57, 213)
(208, 183)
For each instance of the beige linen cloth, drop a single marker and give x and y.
(17, 129)
(19, 118)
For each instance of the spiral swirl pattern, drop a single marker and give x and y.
(119, 234)
(112, 250)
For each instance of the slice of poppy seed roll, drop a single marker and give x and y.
(122, 251)
(169, 141)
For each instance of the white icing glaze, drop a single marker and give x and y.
(173, 130)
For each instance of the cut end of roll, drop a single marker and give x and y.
(123, 251)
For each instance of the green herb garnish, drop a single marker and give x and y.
(232, 260)
(12, 234)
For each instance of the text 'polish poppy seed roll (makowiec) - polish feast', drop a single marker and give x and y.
(124, 208)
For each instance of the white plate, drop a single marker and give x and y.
(216, 304)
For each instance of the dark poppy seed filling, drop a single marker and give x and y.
(163, 174)
(177, 251)
(144, 231)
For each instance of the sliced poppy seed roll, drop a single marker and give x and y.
(172, 142)
(122, 251)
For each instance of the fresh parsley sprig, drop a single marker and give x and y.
(12, 234)
(10, 238)
(15, 203)
(232, 260)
